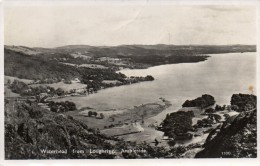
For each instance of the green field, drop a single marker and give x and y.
(62, 85)
(16, 78)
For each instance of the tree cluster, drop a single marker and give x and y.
(177, 123)
(243, 102)
(26, 90)
(209, 121)
(62, 106)
(95, 114)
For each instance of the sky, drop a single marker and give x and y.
(110, 25)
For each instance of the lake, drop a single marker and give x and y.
(220, 76)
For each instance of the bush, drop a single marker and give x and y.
(177, 122)
(209, 110)
(62, 106)
(171, 142)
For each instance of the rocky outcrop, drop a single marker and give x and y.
(243, 102)
(202, 102)
(236, 138)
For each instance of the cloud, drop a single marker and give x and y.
(45, 26)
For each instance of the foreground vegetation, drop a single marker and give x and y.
(32, 132)
(237, 137)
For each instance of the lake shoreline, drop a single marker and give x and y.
(116, 97)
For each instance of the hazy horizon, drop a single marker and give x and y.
(135, 45)
(112, 25)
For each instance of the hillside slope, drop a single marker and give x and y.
(32, 132)
(29, 130)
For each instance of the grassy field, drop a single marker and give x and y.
(62, 85)
(124, 129)
(148, 135)
(110, 81)
(93, 122)
(81, 56)
(129, 124)
(93, 66)
(138, 113)
(15, 78)
(9, 93)
(119, 117)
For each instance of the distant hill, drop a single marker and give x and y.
(24, 66)
(22, 49)
(160, 49)
(136, 50)
(21, 65)
(48, 63)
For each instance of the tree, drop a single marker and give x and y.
(209, 110)
(112, 119)
(177, 123)
(217, 117)
(241, 100)
(94, 113)
(60, 91)
(234, 107)
(54, 108)
(142, 119)
(90, 113)
(149, 78)
(71, 106)
(218, 108)
(229, 108)
(102, 116)
(18, 86)
(8, 82)
(226, 116)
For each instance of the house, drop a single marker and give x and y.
(76, 80)
(80, 90)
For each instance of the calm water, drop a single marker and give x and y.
(220, 76)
